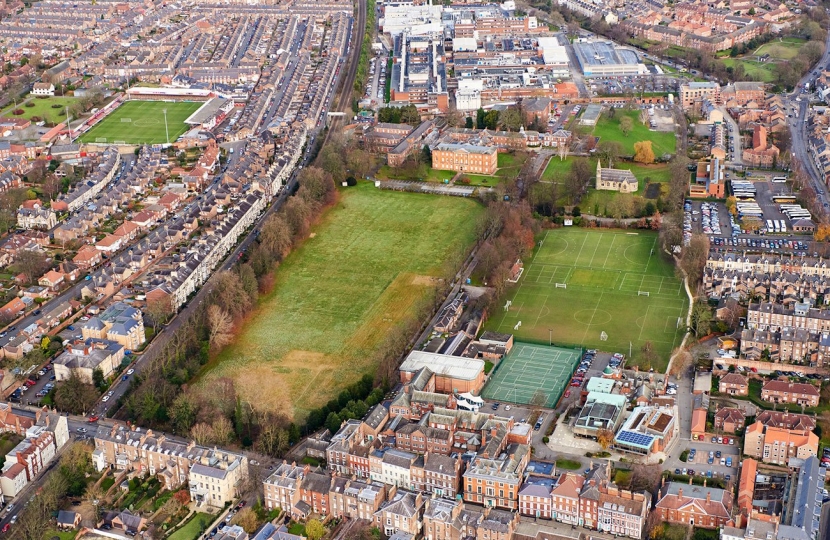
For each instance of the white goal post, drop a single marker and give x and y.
(128, 120)
(603, 336)
(642, 293)
(101, 139)
(561, 285)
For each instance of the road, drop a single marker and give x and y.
(144, 360)
(799, 102)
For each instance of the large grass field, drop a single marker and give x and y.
(785, 49)
(42, 108)
(608, 129)
(139, 122)
(753, 70)
(604, 273)
(367, 267)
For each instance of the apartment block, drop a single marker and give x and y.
(787, 392)
(733, 384)
(212, 475)
(777, 445)
(496, 481)
(691, 94)
(355, 499)
(699, 506)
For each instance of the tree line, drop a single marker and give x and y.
(161, 396)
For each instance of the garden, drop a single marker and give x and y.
(51, 110)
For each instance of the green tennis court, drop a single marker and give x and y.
(528, 369)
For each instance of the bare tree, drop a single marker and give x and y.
(31, 263)
(220, 326)
(563, 149)
(51, 186)
(158, 311)
(222, 431)
(202, 433)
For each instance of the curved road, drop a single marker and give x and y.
(799, 100)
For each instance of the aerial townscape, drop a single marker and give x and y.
(414, 270)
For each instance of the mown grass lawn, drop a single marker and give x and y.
(760, 71)
(43, 108)
(195, 526)
(604, 272)
(608, 129)
(595, 202)
(371, 262)
(139, 122)
(785, 49)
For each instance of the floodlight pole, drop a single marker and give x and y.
(166, 133)
(550, 337)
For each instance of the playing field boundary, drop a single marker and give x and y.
(606, 289)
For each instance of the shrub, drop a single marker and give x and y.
(18, 112)
(351, 181)
(36, 119)
(30, 104)
(464, 180)
(545, 439)
(56, 105)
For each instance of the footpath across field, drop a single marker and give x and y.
(603, 289)
(530, 369)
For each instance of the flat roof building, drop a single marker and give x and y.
(605, 59)
(453, 374)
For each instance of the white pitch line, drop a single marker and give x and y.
(645, 321)
(594, 254)
(578, 255)
(613, 237)
(544, 241)
(599, 303)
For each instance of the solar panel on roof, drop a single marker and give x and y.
(631, 437)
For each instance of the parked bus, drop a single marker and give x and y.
(770, 226)
(783, 199)
(779, 179)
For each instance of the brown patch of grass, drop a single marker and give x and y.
(396, 302)
(423, 280)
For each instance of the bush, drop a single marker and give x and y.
(36, 119)
(18, 112)
(351, 181)
(56, 105)
(30, 104)
(545, 439)
(684, 455)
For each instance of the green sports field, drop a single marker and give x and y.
(142, 122)
(603, 277)
(368, 267)
(528, 369)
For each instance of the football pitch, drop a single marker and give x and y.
(609, 290)
(528, 369)
(142, 122)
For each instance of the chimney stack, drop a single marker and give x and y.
(680, 492)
